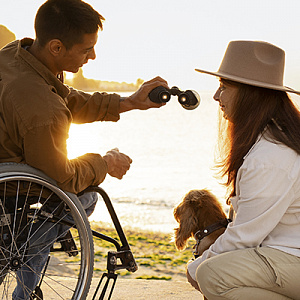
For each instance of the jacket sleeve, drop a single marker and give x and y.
(45, 148)
(86, 108)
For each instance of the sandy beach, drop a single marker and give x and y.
(141, 289)
(138, 289)
(161, 273)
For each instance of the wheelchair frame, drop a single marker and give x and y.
(18, 174)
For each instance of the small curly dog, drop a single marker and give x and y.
(200, 215)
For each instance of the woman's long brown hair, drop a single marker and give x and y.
(254, 108)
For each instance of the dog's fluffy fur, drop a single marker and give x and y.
(198, 209)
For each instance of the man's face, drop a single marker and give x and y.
(75, 57)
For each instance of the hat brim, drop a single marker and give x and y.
(249, 81)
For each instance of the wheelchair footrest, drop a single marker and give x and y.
(108, 287)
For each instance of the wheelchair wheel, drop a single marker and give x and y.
(36, 217)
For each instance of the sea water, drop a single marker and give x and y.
(172, 151)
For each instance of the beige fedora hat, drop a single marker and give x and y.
(255, 63)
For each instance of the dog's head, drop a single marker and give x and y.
(198, 209)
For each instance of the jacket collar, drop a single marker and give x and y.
(40, 68)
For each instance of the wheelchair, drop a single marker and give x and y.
(32, 205)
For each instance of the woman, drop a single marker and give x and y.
(258, 256)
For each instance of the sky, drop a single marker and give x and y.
(170, 38)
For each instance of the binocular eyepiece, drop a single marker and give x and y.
(188, 99)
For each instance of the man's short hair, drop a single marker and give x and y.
(66, 20)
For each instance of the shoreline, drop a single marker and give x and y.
(155, 254)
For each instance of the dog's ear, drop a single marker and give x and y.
(184, 214)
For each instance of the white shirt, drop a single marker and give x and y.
(266, 205)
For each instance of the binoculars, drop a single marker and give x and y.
(188, 99)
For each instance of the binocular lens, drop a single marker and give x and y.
(189, 99)
(159, 95)
(182, 99)
(164, 97)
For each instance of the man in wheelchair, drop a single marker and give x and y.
(36, 108)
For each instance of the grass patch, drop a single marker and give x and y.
(149, 248)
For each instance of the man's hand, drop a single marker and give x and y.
(140, 99)
(118, 163)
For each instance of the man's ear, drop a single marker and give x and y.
(55, 47)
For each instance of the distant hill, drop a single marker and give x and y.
(90, 85)
(6, 36)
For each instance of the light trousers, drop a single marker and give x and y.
(261, 273)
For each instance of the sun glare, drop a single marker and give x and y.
(80, 140)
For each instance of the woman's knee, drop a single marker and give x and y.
(207, 279)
